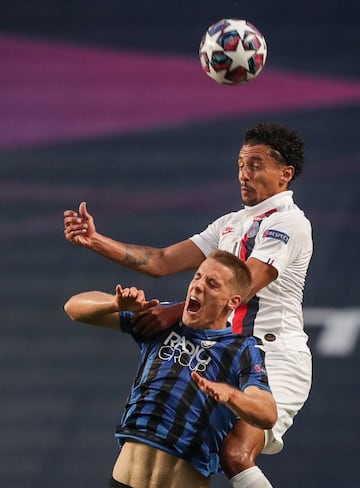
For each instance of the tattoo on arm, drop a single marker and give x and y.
(136, 262)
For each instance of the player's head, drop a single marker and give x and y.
(271, 157)
(219, 285)
(286, 143)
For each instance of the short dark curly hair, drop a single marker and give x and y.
(285, 141)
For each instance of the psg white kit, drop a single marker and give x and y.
(275, 232)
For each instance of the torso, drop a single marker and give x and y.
(277, 233)
(143, 466)
(165, 411)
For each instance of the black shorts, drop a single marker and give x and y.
(116, 484)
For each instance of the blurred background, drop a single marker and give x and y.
(106, 102)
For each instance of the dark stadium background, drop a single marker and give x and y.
(158, 173)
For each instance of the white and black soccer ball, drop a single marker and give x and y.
(232, 51)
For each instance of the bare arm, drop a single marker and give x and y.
(254, 405)
(80, 229)
(261, 273)
(161, 317)
(102, 309)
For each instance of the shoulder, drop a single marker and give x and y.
(242, 342)
(294, 220)
(227, 223)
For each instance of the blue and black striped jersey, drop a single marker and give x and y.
(166, 409)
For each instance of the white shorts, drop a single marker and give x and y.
(290, 381)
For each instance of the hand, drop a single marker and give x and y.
(132, 299)
(221, 392)
(157, 319)
(79, 227)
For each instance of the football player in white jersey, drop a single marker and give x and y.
(274, 237)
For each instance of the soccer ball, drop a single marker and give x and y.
(232, 51)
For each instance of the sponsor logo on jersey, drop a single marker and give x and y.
(227, 230)
(182, 351)
(275, 234)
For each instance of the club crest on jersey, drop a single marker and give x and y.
(253, 230)
(227, 230)
(275, 234)
(207, 344)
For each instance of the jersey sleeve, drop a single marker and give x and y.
(208, 240)
(252, 366)
(125, 322)
(281, 239)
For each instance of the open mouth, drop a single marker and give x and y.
(194, 304)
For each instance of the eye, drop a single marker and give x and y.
(213, 284)
(254, 165)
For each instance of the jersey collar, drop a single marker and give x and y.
(277, 201)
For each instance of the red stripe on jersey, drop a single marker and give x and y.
(238, 320)
(240, 313)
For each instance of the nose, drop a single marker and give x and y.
(199, 283)
(243, 174)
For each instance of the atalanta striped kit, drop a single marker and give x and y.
(166, 409)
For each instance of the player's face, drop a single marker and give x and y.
(209, 298)
(260, 175)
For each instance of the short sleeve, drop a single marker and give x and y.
(209, 239)
(252, 367)
(281, 239)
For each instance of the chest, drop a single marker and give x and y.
(239, 234)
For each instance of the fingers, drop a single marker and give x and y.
(200, 381)
(70, 213)
(133, 292)
(196, 377)
(150, 304)
(83, 210)
(75, 224)
(209, 387)
(74, 230)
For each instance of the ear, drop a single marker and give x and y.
(234, 302)
(287, 174)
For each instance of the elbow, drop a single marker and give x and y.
(265, 417)
(70, 310)
(270, 419)
(269, 422)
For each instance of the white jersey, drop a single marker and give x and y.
(275, 232)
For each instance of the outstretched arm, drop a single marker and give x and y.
(254, 405)
(80, 229)
(102, 309)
